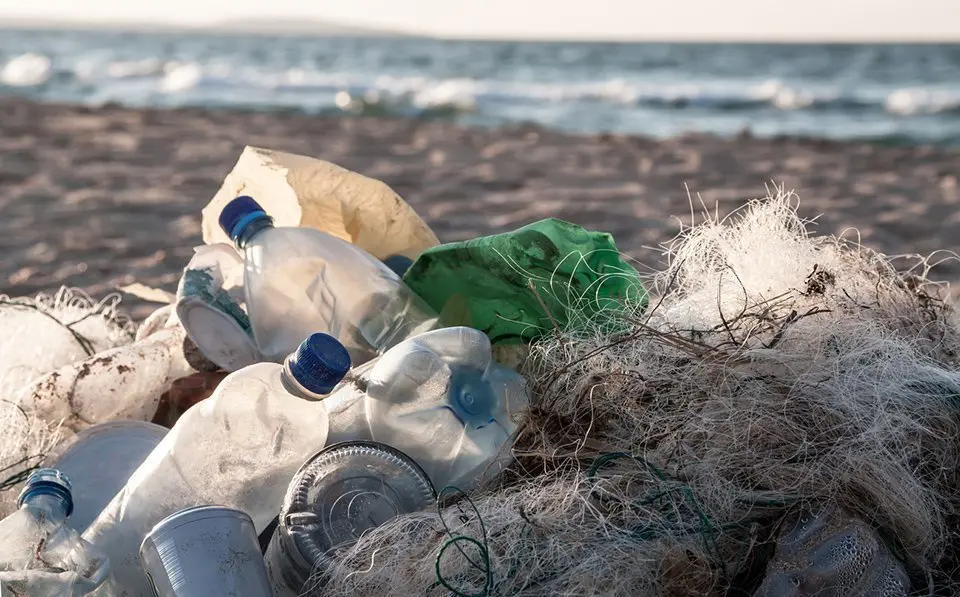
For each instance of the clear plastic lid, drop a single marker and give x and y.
(100, 461)
(345, 490)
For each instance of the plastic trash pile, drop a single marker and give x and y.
(336, 403)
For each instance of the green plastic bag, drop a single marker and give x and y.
(519, 285)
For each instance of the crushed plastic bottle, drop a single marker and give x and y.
(334, 498)
(209, 302)
(300, 280)
(438, 398)
(205, 551)
(121, 383)
(239, 449)
(41, 335)
(40, 555)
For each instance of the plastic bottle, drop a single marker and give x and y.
(300, 280)
(126, 382)
(39, 553)
(438, 398)
(335, 496)
(238, 449)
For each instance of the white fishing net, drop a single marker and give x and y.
(46, 332)
(41, 335)
(772, 370)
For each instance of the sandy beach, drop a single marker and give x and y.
(96, 198)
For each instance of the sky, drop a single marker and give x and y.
(806, 20)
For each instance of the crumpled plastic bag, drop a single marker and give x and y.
(297, 190)
(518, 285)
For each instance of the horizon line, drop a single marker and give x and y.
(316, 28)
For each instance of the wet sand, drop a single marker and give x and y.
(100, 198)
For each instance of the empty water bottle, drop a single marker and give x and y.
(134, 376)
(336, 496)
(39, 554)
(440, 399)
(300, 280)
(239, 448)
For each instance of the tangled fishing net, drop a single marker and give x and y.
(772, 372)
(41, 335)
(50, 331)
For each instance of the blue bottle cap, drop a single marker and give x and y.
(48, 481)
(398, 263)
(319, 363)
(240, 213)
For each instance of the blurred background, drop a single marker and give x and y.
(119, 121)
(841, 69)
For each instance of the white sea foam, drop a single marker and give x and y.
(180, 77)
(26, 70)
(919, 100)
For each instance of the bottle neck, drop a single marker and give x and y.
(52, 508)
(251, 230)
(291, 385)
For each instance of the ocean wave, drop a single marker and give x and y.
(179, 77)
(133, 69)
(224, 82)
(919, 101)
(26, 70)
(466, 92)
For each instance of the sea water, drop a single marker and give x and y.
(888, 93)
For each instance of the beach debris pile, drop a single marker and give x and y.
(334, 402)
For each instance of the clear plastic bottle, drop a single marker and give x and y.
(40, 554)
(300, 280)
(134, 377)
(238, 449)
(439, 398)
(334, 498)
